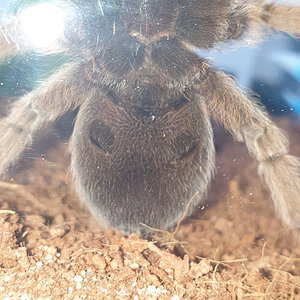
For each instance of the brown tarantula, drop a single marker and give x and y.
(142, 144)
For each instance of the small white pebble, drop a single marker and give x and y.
(151, 289)
(70, 289)
(134, 266)
(78, 285)
(134, 284)
(78, 278)
(57, 254)
(136, 297)
(89, 272)
(82, 273)
(175, 297)
(140, 291)
(103, 290)
(39, 264)
(114, 264)
(162, 290)
(123, 293)
(61, 261)
(49, 258)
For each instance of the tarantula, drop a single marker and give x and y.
(142, 144)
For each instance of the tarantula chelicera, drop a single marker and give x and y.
(142, 144)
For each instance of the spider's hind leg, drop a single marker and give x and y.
(248, 123)
(59, 94)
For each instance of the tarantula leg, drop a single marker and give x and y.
(8, 46)
(52, 99)
(248, 122)
(281, 17)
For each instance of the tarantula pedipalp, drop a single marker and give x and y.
(142, 144)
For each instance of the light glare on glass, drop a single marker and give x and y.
(42, 25)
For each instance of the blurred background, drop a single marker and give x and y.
(271, 69)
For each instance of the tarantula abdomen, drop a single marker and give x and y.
(141, 169)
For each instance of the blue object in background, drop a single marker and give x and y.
(290, 63)
(270, 69)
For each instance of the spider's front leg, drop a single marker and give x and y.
(52, 99)
(280, 17)
(247, 122)
(8, 45)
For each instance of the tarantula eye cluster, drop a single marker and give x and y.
(142, 148)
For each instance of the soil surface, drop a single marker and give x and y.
(234, 247)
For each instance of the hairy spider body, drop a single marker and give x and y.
(142, 145)
(142, 162)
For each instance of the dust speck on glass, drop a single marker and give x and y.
(137, 83)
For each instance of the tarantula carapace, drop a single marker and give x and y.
(142, 145)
